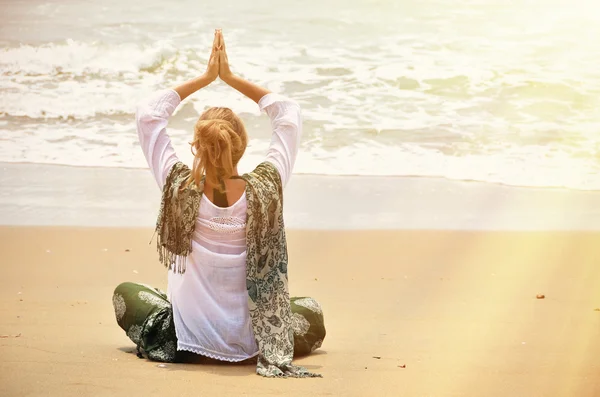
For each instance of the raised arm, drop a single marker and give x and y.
(152, 116)
(212, 72)
(285, 115)
(247, 88)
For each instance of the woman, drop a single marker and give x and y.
(222, 238)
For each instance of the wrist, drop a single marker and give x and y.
(229, 78)
(206, 78)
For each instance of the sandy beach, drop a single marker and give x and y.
(409, 311)
(458, 309)
(444, 207)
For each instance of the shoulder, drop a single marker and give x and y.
(265, 183)
(277, 100)
(179, 176)
(264, 172)
(178, 170)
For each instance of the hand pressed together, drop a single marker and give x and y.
(224, 70)
(218, 63)
(212, 69)
(218, 66)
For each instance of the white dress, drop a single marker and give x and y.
(210, 307)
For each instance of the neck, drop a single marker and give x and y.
(234, 173)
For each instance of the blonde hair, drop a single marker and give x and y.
(220, 140)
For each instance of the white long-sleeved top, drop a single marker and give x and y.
(210, 308)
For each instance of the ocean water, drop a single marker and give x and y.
(504, 92)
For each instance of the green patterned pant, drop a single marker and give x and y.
(145, 314)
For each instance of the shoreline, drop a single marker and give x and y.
(53, 195)
(313, 175)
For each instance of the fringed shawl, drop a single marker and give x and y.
(266, 258)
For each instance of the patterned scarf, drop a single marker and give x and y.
(266, 258)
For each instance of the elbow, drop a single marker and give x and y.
(144, 118)
(142, 111)
(289, 118)
(280, 106)
(147, 108)
(287, 125)
(144, 121)
(293, 115)
(291, 103)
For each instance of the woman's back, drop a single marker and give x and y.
(210, 309)
(222, 230)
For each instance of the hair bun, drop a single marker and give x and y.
(219, 142)
(213, 125)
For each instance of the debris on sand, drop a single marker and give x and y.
(377, 357)
(540, 296)
(402, 366)
(11, 336)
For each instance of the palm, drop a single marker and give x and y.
(224, 71)
(212, 69)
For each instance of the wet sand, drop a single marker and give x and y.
(54, 195)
